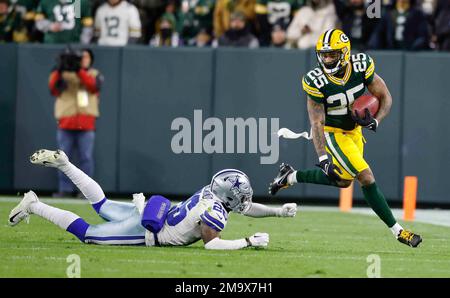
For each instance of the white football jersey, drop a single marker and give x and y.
(115, 24)
(182, 226)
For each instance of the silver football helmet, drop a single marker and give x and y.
(232, 188)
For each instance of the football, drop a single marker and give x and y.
(366, 101)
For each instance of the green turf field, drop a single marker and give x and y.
(314, 244)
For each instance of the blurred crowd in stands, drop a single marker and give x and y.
(370, 24)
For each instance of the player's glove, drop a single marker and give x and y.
(258, 240)
(368, 121)
(287, 210)
(139, 201)
(330, 169)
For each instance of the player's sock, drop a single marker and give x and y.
(395, 229)
(90, 189)
(64, 219)
(312, 176)
(377, 202)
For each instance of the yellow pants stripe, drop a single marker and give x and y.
(339, 157)
(347, 149)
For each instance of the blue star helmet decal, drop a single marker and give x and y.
(234, 181)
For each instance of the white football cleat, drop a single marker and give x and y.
(22, 210)
(49, 158)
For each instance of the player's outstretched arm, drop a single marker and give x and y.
(212, 240)
(260, 210)
(379, 89)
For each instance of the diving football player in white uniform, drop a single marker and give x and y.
(155, 222)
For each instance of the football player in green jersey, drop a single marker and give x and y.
(331, 89)
(59, 22)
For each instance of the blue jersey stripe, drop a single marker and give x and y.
(213, 220)
(209, 223)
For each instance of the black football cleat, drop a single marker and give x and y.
(409, 238)
(281, 180)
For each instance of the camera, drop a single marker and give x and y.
(69, 60)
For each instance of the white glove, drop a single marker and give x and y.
(288, 210)
(139, 201)
(258, 240)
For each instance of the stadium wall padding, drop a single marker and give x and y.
(148, 92)
(8, 79)
(262, 84)
(35, 125)
(426, 145)
(158, 86)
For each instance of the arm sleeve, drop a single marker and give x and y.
(314, 93)
(218, 243)
(370, 70)
(134, 22)
(260, 210)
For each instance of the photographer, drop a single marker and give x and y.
(76, 86)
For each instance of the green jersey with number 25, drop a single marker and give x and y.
(338, 94)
